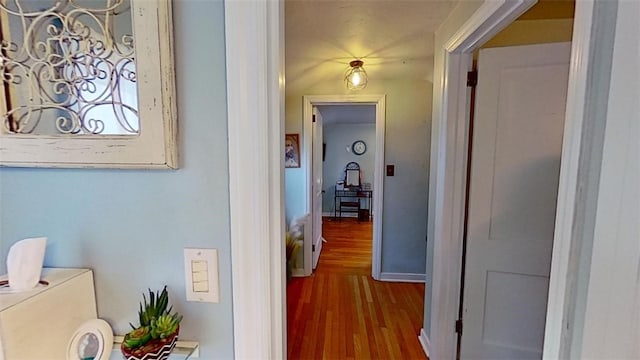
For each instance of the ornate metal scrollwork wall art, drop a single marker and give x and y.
(68, 67)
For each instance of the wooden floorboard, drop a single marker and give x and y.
(340, 312)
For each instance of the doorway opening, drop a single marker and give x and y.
(527, 167)
(448, 238)
(346, 136)
(341, 310)
(513, 186)
(314, 184)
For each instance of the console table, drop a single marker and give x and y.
(353, 201)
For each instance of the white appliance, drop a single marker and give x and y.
(37, 324)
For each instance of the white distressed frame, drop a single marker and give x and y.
(154, 147)
(254, 36)
(307, 111)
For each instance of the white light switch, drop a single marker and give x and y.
(199, 265)
(201, 275)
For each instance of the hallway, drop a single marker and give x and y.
(340, 312)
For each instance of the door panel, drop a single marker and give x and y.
(506, 292)
(527, 149)
(516, 150)
(317, 185)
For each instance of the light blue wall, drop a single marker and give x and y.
(131, 226)
(407, 144)
(338, 137)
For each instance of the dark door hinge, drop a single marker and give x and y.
(459, 326)
(313, 248)
(472, 78)
(313, 118)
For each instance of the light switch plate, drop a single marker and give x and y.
(201, 275)
(391, 170)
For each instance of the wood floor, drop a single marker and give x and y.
(340, 312)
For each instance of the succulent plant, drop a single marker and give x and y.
(157, 306)
(156, 321)
(137, 337)
(165, 325)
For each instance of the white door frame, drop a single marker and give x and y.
(254, 32)
(450, 142)
(310, 247)
(448, 169)
(308, 102)
(254, 38)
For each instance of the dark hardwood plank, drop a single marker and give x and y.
(340, 312)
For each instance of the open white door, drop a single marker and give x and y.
(517, 140)
(317, 188)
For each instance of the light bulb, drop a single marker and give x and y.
(356, 79)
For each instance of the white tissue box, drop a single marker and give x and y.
(38, 324)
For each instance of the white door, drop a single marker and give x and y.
(316, 175)
(515, 165)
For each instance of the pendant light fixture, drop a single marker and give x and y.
(356, 77)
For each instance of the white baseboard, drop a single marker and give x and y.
(424, 341)
(402, 277)
(344, 215)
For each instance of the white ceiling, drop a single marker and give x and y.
(394, 38)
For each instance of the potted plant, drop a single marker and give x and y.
(292, 245)
(156, 335)
(294, 239)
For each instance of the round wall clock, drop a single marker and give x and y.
(359, 147)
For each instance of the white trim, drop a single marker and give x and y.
(276, 97)
(327, 214)
(598, 187)
(480, 27)
(557, 335)
(254, 37)
(330, 214)
(379, 101)
(449, 145)
(307, 161)
(424, 341)
(610, 322)
(346, 215)
(402, 277)
(378, 183)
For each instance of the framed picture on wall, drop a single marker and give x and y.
(291, 151)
